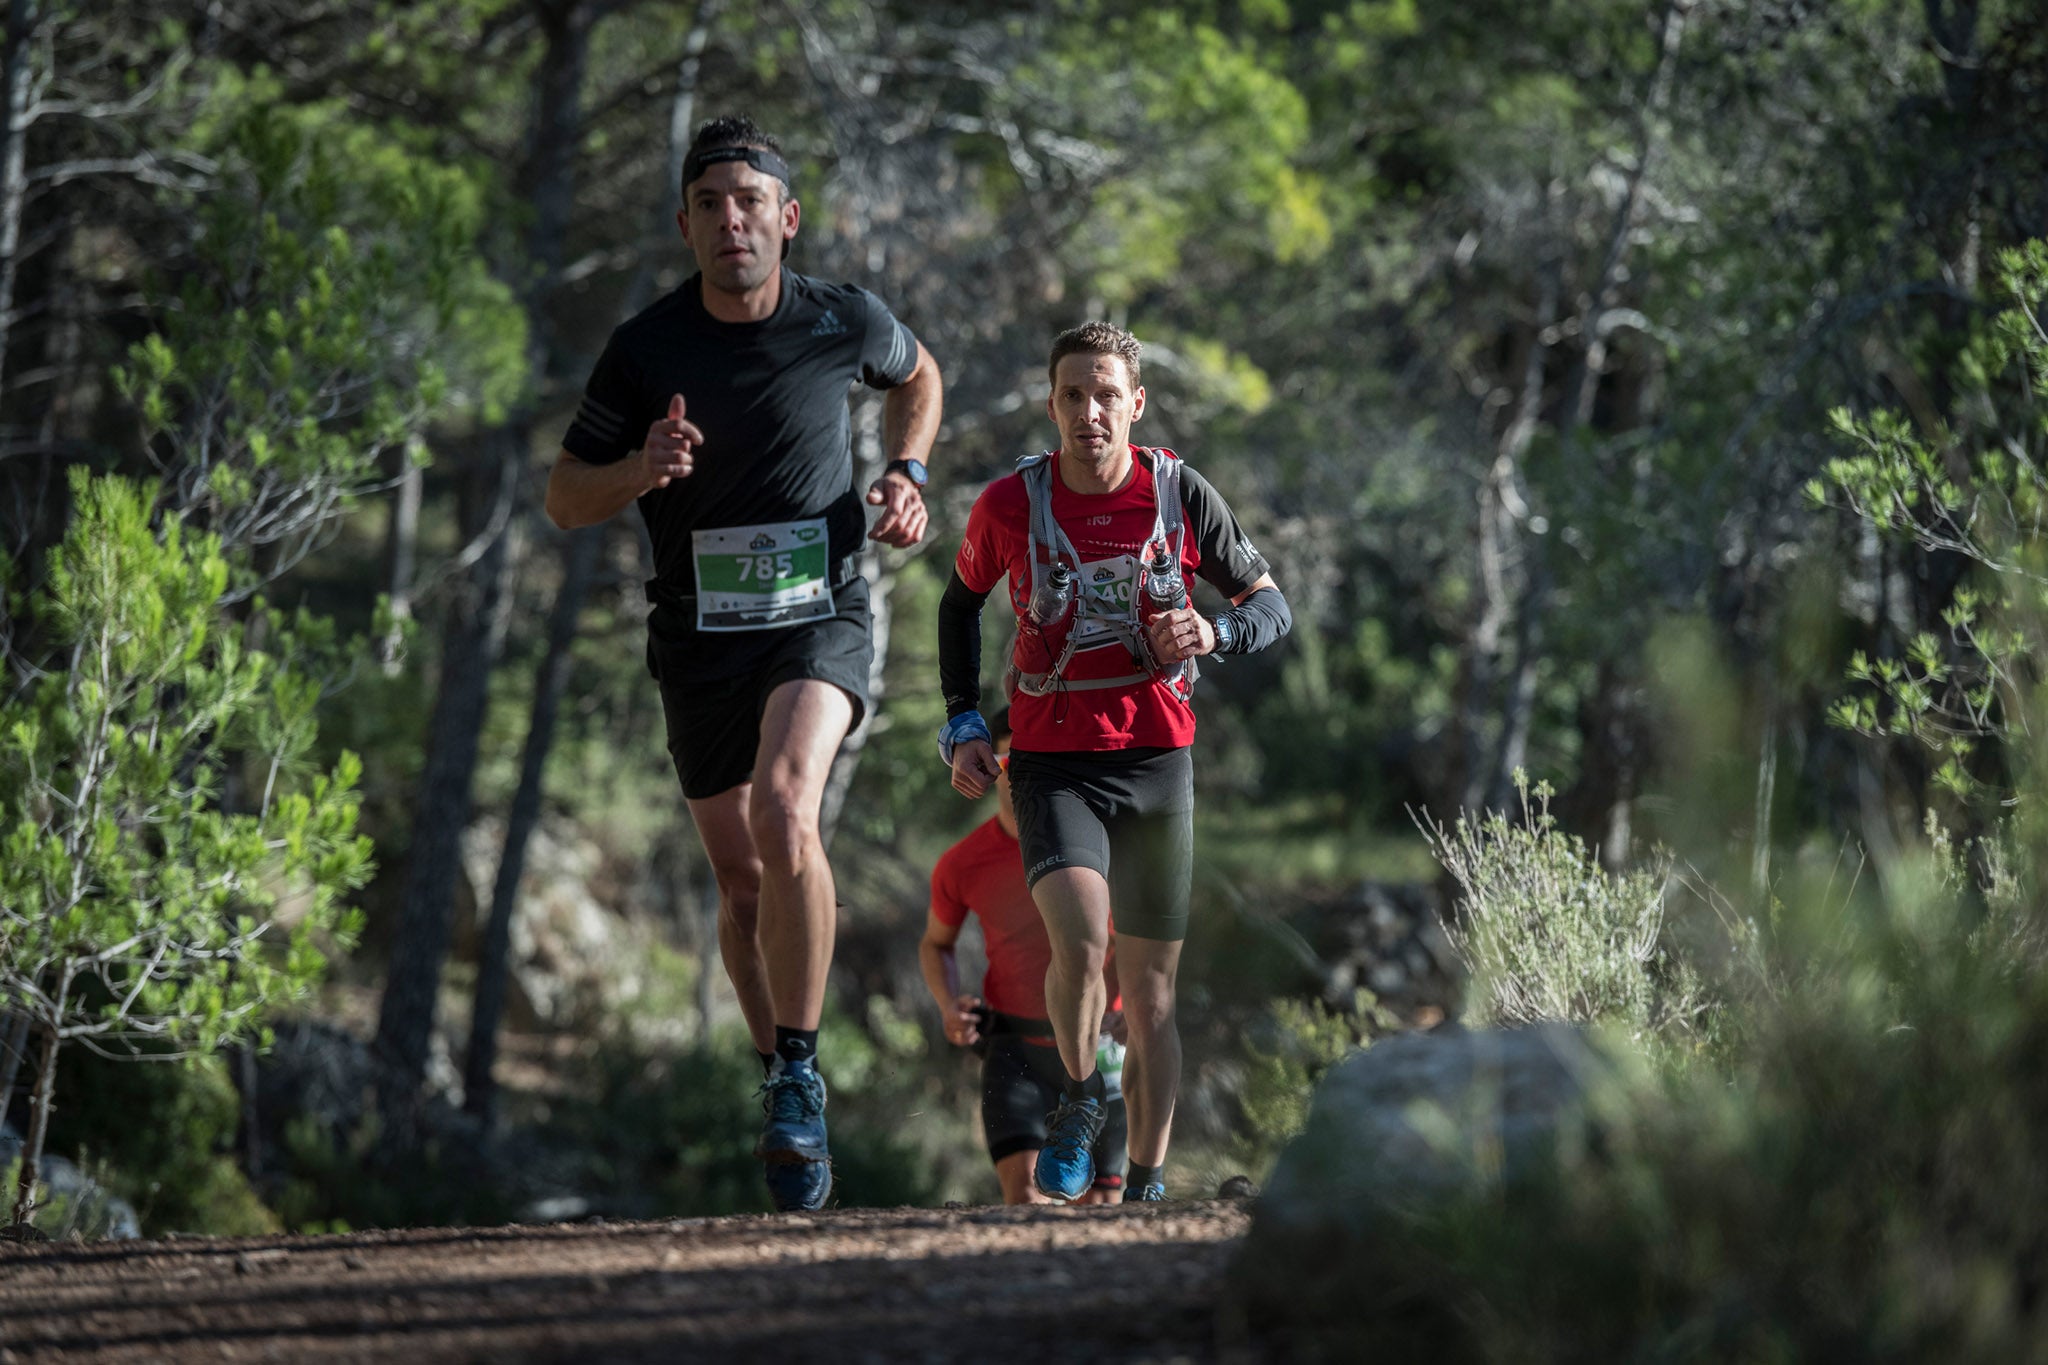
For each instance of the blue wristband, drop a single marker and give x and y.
(961, 728)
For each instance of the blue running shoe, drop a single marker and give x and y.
(792, 1143)
(1150, 1193)
(799, 1186)
(1066, 1164)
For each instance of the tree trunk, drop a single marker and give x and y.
(579, 561)
(405, 1023)
(400, 557)
(38, 1126)
(243, 1059)
(1611, 722)
(1518, 712)
(1613, 754)
(476, 631)
(13, 1045)
(24, 20)
(1502, 560)
(662, 239)
(1596, 325)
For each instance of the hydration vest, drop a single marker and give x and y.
(1045, 649)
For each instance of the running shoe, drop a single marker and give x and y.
(1066, 1164)
(792, 1143)
(1151, 1193)
(798, 1186)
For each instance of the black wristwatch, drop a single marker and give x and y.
(1220, 623)
(912, 470)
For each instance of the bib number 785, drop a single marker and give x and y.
(766, 568)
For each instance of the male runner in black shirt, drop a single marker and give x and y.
(722, 410)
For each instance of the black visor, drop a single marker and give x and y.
(766, 162)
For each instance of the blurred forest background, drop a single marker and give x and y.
(1632, 393)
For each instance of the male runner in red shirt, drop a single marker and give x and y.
(1100, 773)
(1021, 1074)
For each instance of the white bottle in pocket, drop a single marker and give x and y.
(1109, 1060)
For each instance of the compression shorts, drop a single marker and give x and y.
(1126, 813)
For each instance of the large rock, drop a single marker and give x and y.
(1422, 1115)
(1418, 1123)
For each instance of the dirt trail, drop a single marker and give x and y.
(988, 1285)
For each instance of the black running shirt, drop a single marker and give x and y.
(770, 398)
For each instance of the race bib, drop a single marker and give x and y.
(763, 577)
(1106, 588)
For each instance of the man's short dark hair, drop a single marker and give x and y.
(730, 130)
(1095, 338)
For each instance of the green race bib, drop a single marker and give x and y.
(763, 577)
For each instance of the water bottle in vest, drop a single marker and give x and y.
(1109, 1060)
(1054, 595)
(1165, 589)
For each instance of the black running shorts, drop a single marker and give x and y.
(715, 684)
(1129, 814)
(1021, 1085)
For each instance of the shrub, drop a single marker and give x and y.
(144, 909)
(164, 1135)
(1864, 1185)
(1547, 933)
(1287, 1053)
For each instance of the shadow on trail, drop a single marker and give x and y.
(909, 1284)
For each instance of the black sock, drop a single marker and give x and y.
(1093, 1088)
(1141, 1176)
(767, 1061)
(796, 1044)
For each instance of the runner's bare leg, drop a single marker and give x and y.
(1145, 971)
(722, 825)
(1074, 903)
(801, 729)
(1013, 1173)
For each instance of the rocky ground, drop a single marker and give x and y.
(987, 1285)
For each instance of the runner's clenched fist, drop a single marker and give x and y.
(670, 451)
(1180, 634)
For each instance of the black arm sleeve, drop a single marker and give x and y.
(960, 647)
(1258, 621)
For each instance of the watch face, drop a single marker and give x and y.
(913, 470)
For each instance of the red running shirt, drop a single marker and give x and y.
(1103, 527)
(983, 875)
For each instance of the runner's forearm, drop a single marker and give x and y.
(582, 494)
(1257, 620)
(960, 647)
(941, 974)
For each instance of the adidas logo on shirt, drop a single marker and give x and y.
(828, 326)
